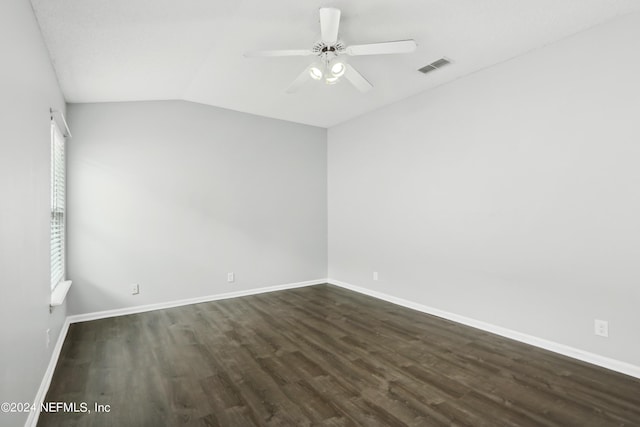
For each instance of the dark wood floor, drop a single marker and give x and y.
(322, 355)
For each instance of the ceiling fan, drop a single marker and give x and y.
(330, 65)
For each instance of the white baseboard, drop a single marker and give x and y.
(585, 356)
(32, 420)
(177, 303)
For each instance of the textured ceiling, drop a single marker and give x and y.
(129, 50)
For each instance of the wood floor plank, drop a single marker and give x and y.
(322, 355)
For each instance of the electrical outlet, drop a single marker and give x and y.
(48, 337)
(601, 328)
(231, 277)
(375, 275)
(135, 289)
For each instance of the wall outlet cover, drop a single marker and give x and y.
(601, 328)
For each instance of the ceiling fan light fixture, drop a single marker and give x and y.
(331, 80)
(338, 69)
(316, 73)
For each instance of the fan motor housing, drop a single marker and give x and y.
(320, 48)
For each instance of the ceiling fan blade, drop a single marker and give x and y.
(329, 23)
(357, 79)
(302, 78)
(274, 53)
(400, 46)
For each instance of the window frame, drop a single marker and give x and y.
(58, 217)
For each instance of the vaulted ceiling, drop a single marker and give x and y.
(129, 50)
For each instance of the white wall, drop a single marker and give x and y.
(174, 195)
(511, 196)
(28, 87)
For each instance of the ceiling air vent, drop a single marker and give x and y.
(434, 65)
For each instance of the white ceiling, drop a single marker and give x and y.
(129, 50)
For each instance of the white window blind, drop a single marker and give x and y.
(57, 206)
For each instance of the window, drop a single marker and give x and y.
(57, 206)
